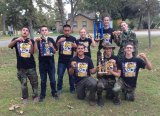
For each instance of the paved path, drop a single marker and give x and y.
(5, 43)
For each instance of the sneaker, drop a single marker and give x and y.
(25, 101)
(100, 102)
(73, 91)
(41, 99)
(116, 101)
(59, 92)
(55, 96)
(92, 103)
(35, 99)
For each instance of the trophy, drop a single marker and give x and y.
(98, 27)
(45, 48)
(101, 64)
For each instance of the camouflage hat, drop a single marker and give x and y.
(108, 45)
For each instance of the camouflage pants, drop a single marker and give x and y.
(128, 92)
(108, 85)
(31, 74)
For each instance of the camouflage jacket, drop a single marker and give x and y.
(123, 39)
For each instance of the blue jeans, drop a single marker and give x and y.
(61, 69)
(44, 68)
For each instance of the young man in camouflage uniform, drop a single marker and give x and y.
(123, 37)
(107, 80)
(81, 67)
(129, 68)
(26, 67)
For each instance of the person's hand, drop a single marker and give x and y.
(61, 39)
(142, 55)
(116, 33)
(97, 40)
(30, 42)
(38, 39)
(112, 61)
(50, 45)
(20, 39)
(74, 45)
(74, 64)
(90, 36)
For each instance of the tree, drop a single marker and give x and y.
(60, 5)
(76, 5)
(3, 9)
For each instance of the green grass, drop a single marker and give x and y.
(147, 101)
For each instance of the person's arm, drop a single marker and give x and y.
(73, 66)
(36, 40)
(93, 70)
(12, 43)
(31, 43)
(71, 71)
(117, 37)
(53, 47)
(59, 40)
(147, 62)
(115, 73)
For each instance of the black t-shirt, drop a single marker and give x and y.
(25, 60)
(110, 66)
(108, 37)
(65, 48)
(45, 51)
(83, 67)
(87, 43)
(130, 69)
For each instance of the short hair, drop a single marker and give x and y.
(43, 26)
(80, 44)
(129, 43)
(66, 25)
(108, 17)
(26, 27)
(82, 29)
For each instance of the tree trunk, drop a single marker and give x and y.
(140, 21)
(72, 16)
(4, 23)
(61, 11)
(31, 29)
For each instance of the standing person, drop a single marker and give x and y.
(47, 48)
(26, 67)
(108, 33)
(125, 36)
(87, 42)
(107, 81)
(129, 68)
(82, 67)
(66, 45)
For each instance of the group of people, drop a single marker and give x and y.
(75, 56)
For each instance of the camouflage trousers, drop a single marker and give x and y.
(127, 91)
(108, 85)
(31, 74)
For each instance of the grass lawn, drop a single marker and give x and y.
(147, 102)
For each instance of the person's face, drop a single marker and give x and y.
(67, 31)
(124, 26)
(25, 32)
(80, 50)
(44, 31)
(108, 51)
(129, 49)
(83, 33)
(106, 21)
